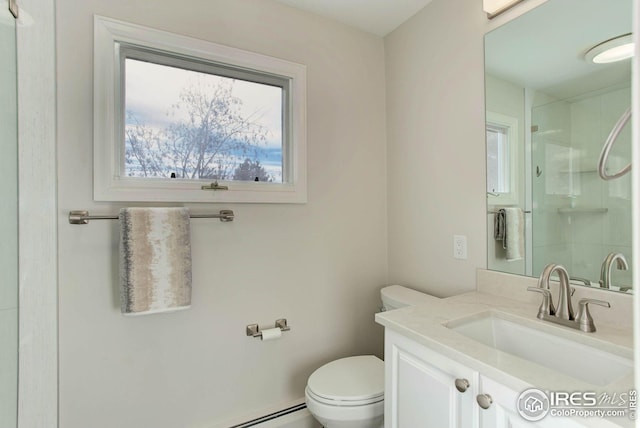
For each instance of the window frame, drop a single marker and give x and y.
(510, 124)
(111, 37)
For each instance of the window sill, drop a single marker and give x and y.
(132, 190)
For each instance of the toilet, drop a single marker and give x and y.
(349, 392)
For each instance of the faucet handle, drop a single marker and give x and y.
(584, 317)
(582, 280)
(585, 302)
(546, 307)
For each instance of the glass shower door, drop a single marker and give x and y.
(8, 223)
(578, 219)
(553, 185)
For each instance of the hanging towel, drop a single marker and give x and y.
(498, 226)
(513, 238)
(155, 260)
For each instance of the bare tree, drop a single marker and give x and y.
(208, 132)
(143, 148)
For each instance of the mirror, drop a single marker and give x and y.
(549, 111)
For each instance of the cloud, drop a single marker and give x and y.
(153, 89)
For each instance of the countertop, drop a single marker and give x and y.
(425, 324)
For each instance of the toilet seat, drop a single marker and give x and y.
(351, 381)
(344, 401)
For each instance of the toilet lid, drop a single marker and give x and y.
(349, 379)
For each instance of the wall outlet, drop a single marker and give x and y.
(460, 247)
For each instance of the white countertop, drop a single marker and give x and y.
(425, 324)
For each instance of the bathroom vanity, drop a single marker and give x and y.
(464, 362)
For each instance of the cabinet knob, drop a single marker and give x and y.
(484, 400)
(462, 385)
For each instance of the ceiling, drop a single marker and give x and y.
(379, 17)
(562, 29)
(544, 48)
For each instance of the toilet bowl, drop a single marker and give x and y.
(349, 392)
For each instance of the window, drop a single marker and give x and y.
(498, 159)
(187, 124)
(502, 159)
(174, 114)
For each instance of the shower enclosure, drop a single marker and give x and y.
(8, 223)
(578, 218)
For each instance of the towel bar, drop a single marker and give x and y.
(496, 212)
(83, 217)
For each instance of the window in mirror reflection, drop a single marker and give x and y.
(497, 159)
(502, 132)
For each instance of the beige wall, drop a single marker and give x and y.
(320, 264)
(436, 144)
(435, 131)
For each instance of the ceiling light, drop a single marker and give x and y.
(612, 50)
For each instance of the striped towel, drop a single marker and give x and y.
(155, 260)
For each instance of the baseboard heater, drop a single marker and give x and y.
(271, 416)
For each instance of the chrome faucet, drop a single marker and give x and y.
(564, 313)
(605, 271)
(564, 309)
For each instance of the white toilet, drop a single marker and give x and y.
(349, 392)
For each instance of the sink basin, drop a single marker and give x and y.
(571, 358)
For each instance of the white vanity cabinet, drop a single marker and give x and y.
(420, 387)
(420, 391)
(503, 414)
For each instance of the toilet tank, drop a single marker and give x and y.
(397, 296)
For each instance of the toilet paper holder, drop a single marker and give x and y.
(254, 330)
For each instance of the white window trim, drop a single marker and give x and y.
(108, 186)
(511, 123)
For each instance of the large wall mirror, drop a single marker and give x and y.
(549, 110)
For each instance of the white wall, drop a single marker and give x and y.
(38, 273)
(320, 265)
(435, 131)
(8, 226)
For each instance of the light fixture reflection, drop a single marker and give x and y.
(496, 7)
(616, 49)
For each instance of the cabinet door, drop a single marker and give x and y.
(420, 388)
(502, 412)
